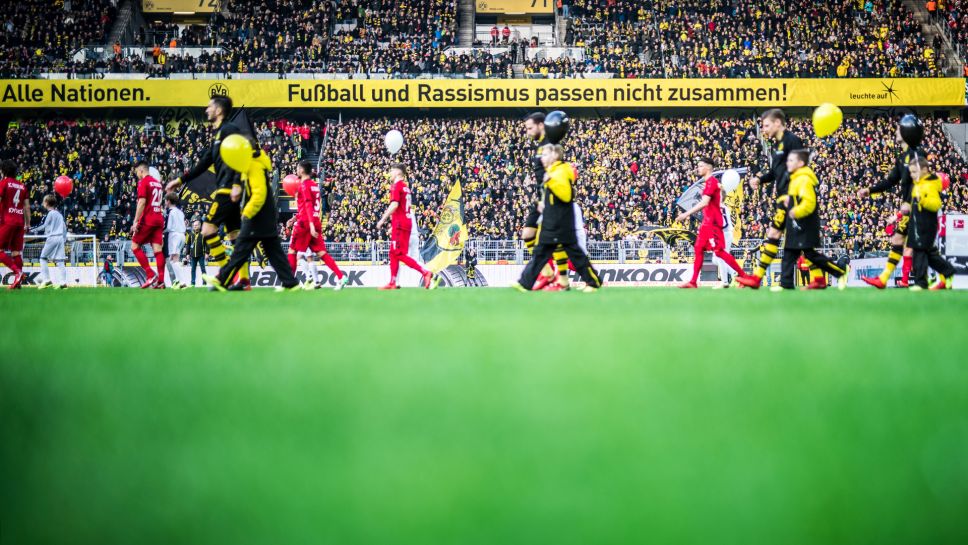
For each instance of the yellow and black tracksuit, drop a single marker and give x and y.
(557, 229)
(222, 212)
(926, 201)
(259, 219)
(803, 229)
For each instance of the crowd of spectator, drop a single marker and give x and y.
(631, 172)
(749, 38)
(626, 38)
(98, 156)
(39, 34)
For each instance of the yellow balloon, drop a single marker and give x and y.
(236, 152)
(827, 119)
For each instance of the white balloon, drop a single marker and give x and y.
(394, 141)
(730, 180)
(153, 172)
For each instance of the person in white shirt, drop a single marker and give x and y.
(175, 230)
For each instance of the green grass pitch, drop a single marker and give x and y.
(484, 417)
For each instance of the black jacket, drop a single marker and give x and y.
(899, 175)
(778, 170)
(211, 159)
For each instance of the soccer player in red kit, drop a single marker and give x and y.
(307, 232)
(710, 236)
(14, 221)
(401, 222)
(149, 226)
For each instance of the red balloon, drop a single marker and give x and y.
(945, 181)
(290, 184)
(63, 186)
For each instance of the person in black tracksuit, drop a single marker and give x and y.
(224, 210)
(534, 125)
(900, 176)
(774, 126)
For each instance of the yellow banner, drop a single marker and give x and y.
(489, 93)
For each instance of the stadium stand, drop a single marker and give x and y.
(631, 170)
(382, 38)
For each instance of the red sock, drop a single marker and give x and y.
(292, 262)
(731, 261)
(19, 261)
(697, 267)
(906, 268)
(160, 263)
(571, 266)
(408, 261)
(394, 269)
(331, 263)
(139, 254)
(9, 262)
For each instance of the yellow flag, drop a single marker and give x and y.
(449, 236)
(734, 201)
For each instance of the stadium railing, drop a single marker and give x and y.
(652, 250)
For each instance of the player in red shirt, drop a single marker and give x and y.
(710, 236)
(14, 221)
(401, 222)
(149, 226)
(307, 231)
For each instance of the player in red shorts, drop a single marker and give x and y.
(14, 221)
(149, 226)
(307, 232)
(711, 236)
(401, 223)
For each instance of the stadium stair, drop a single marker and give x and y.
(465, 15)
(929, 28)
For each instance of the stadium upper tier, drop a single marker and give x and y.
(589, 38)
(630, 170)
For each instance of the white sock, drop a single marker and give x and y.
(44, 271)
(314, 269)
(62, 267)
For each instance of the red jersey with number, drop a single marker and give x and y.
(309, 203)
(13, 195)
(400, 194)
(152, 191)
(712, 215)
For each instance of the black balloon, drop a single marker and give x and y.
(912, 130)
(556, 126)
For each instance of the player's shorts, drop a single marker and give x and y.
(710, 238)
(12, 238)
(149, 234)
(53, 250)
(533, 217)
(176, 243)
(224, 212)
(400, 242)
(303, 240)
